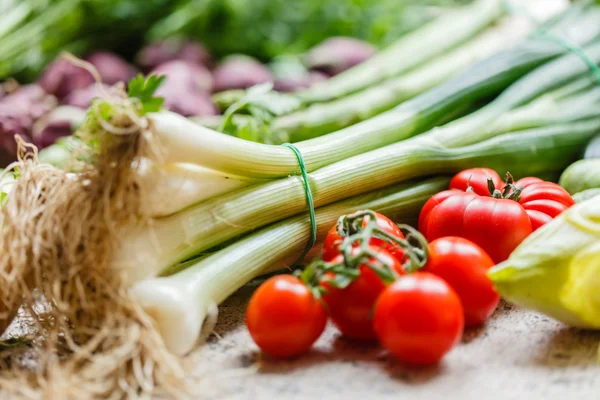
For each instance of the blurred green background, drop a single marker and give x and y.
(33, 32)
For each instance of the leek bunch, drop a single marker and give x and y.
(239, 206)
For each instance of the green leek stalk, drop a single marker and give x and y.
(212, 222)
(321, 118)
(572, 102)
(561, 106)
(444, 33)
(186, 142)
(173, 239)
(556, 270)
(581, 175)
(180, 303)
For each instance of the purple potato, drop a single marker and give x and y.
(163, 51)
(190, 103)
(240, 72)
(82, 98)
(18, 112)
(52, 132)
(338, 54)
(61, 77)
(184, 76)
(111, 67)
(303, 82)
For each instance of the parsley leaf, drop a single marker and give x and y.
(143, 89)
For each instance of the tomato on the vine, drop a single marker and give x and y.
(333, 240)
(498, 226)
(283, 317)
(464, 266)
(419, 318)
(351, 308)
(477, 180)
(542, 200)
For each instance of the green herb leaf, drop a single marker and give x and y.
(143, 89)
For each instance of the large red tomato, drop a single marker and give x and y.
(542, 200)
(498, 226)
(477, 180)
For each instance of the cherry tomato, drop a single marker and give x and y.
(542, 200)
(333, 240)
(477, 179)
(464, 266)
(419, 318)
(498, 226)
(283, 317)
(351, 308)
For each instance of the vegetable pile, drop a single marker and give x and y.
(135, 227)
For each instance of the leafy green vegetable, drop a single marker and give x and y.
(143, 89)
(556, 270)
(586, 195)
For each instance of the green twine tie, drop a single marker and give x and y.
(552, 37)
(309, 202)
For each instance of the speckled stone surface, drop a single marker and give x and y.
(519, 355)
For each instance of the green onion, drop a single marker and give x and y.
(180, 303)
(442, 34)
(322, 118)
(175, 238)
(186, 142)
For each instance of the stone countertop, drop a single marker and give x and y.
(519, 355)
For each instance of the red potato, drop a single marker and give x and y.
(61, 77)
(184, 75)
(18, 113)
(82, 98)
(303, 82)
(186, 88)
(111, 67)
(240, 72)
(338, 54)
(162, 51)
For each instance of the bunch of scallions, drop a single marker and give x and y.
(221, 210)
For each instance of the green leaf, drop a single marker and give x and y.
(144, 89)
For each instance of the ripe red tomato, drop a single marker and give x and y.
(333, 240)
(498, 226)
(283, 317)
(419, 318)
(351, 308)
(542, 200)
(477, 179)
(464, 266)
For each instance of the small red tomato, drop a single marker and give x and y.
(477, 179)
(333, 240)
(464, 266)
(498, 226)
(542, 200)
(419, 318)
(351, 308)
(283, 317)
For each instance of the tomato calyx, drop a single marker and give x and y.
(509, 191)
(357, 230)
